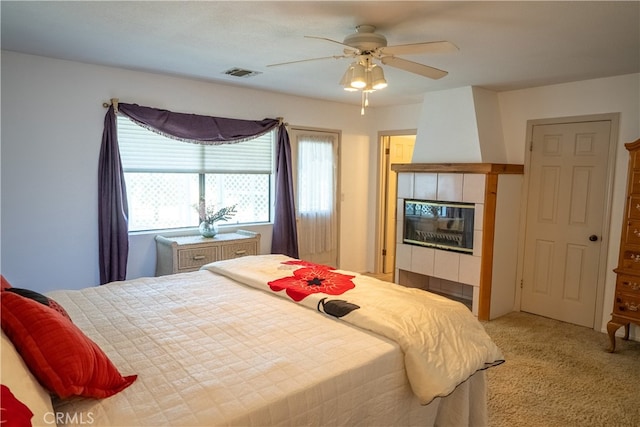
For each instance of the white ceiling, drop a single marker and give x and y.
(504, 45)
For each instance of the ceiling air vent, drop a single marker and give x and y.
(241, 72)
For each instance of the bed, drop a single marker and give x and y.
(270, 340)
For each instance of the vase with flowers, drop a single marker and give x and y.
(209, 216)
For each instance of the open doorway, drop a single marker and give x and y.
(394, 147)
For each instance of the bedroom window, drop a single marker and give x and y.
(165, 178)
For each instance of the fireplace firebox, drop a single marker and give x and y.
(442, 225)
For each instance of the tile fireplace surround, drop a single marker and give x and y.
(486, 278)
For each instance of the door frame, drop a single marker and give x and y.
(378, 265)
(614, 118)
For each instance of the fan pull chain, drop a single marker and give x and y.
(365, 102)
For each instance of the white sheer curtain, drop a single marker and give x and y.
(317, 232)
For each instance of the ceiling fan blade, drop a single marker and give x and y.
(413, 67)
(415, 48)
(307, 60)
(330, 40)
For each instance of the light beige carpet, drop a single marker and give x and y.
(558, 374)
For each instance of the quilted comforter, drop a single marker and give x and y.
(209, 350)
(443, 343)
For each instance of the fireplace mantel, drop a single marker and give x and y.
(484, 168)
(495, 189)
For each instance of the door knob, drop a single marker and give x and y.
(593, 238)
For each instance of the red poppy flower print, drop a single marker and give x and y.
(312, 280)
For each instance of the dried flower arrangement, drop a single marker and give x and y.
(210, 215)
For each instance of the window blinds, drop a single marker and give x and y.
(142, 150)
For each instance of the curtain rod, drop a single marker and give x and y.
(114, 102)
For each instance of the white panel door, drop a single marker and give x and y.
(566, 207)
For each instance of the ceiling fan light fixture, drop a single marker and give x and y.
(368, 87)
(363, 76)
(358, 77)
(377, 78)
(345, 82)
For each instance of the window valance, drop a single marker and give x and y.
(195, 128)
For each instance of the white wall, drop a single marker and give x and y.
(489, 121)
(448, 130)
(52, 121)
(461, 125)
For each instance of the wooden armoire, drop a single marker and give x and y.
(626, 302)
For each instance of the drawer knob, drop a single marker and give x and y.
(198, 257)
(633, 285)
(241, 252)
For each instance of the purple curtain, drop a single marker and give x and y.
(113, 211)
(284, 240)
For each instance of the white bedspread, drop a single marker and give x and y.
(211, 352)
(443, 343)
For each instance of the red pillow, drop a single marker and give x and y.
(4, 283)
(14, 413)
(58, 354)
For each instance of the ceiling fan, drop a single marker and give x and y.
(366, 46)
